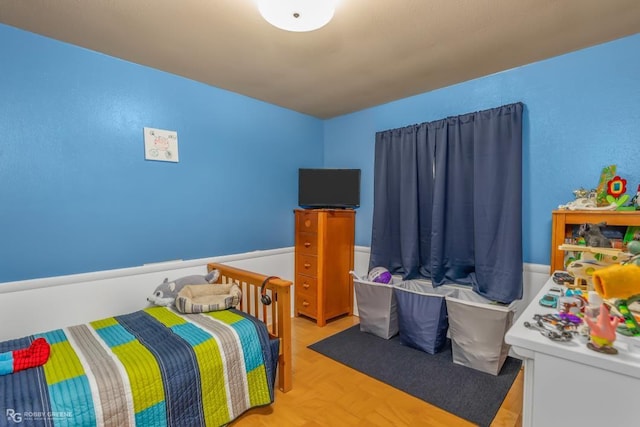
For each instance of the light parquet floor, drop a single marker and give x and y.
(327, 393)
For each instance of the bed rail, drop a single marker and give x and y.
(276, 316)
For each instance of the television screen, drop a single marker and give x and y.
(329, 188)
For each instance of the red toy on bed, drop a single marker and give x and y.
(36, 354)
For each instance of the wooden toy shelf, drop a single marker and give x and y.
(595, 250)
(563, 221)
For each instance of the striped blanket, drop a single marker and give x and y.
(154, 367)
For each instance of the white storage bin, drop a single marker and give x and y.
(477, 327)
(376, 307)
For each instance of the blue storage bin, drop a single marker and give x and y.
(422, 315)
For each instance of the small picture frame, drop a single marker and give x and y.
(161, 145)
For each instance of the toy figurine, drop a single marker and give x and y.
(593, 236)
(607, 174)
(615, 191)
(635, 201)
(603, 332)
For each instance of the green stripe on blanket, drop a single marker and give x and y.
(141, 366)
(219, 406)
(253, 358)
(215, 404)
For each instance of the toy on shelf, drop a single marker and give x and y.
(615, 255)
(592, 259)
(592, 234)
(634, 249)
(582, 193)
(607, 174)
(587, 204)
(587, 200)
(583, 269)
(610, 194)
(635, 201)
(602, 332)
(616, 189)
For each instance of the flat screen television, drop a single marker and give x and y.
(329, 188)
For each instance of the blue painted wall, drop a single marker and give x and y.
(76, 194)
(582, 112)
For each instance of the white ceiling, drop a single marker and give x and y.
(374, 51)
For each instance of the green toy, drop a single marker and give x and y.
(607, 174)
(634, 247)
(630, 326)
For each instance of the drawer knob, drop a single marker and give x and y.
(305, 285)
(307, 244)
(307, 223)
(307, 265)
(305, 304)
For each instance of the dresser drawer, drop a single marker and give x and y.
(307, 221)
(307, 264)
(306, 305)
(307, 243)
(306, 285)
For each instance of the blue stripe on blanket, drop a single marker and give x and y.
(53, 337)
(191, 333)
(178, 366)
(151, 415)
(270, 357)
(248, 337)
(115, 335)
(67, 397)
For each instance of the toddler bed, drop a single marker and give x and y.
(157, 367)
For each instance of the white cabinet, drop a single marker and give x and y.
(566, 384)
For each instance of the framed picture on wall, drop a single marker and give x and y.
(161, 145)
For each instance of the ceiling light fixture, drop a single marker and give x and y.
(297, 15)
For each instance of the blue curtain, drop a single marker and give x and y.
(403, 183)
(447, 202)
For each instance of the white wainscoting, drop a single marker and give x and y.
(38, 305)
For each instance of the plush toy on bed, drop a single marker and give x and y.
(166, 293)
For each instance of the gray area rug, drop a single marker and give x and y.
(470, 394)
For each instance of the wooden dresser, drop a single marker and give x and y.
(323, 260)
